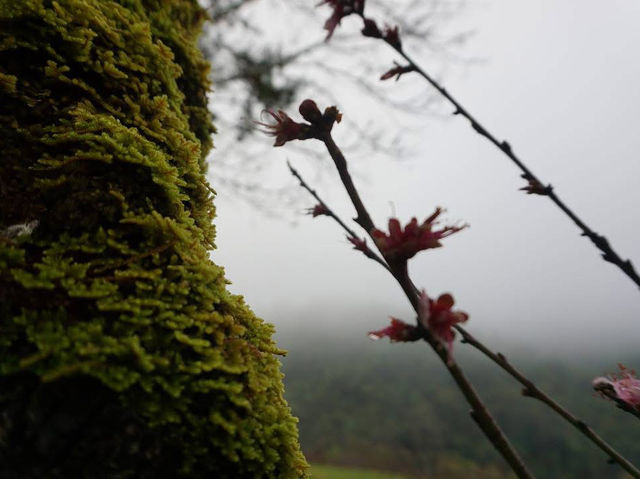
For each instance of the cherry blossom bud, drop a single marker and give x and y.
(310, 111)
(397, 72)
(392, 37)
(398, 331)
(284, 129)
(318, 210)
(534, 187)
(371, 29)
(331, 114)
(359, 244)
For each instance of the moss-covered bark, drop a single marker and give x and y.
(121, 352)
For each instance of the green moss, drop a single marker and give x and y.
(105, 128)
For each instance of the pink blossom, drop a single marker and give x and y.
(437, 317)
(404, 244)
(285, 129)
(398, 331)
(626, 386)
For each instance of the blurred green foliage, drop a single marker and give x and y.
(392, 407)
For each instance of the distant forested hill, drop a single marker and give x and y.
(392, 407)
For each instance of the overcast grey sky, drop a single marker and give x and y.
(560, 82)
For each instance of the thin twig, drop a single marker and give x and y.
(608, 253)
(531, 390)
(479, 412)
(599, 241)
(331, 213)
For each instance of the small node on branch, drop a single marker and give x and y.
(331, 115)
(526, 392)
(359, 244)
(474, 416)
(582, 425)
(600, 241)
(397, 71)
(392, 37)
(534, 187)
(318, 210)
(370, 29)
(478, 128)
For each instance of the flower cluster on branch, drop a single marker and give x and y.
(437, 321)
(403, 244)
(437, 317)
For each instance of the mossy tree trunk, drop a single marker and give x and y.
(121, 352)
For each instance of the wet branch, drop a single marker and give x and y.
(600, 242)
(478, 412)
(330, 213)
(531, 390)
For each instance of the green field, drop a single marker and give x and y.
(335, 472)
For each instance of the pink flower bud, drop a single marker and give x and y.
(398, 331)
(284, 129)
(392, 37)
(371, 29)
(397, 72)
(318, 210)
(359, 244)
(310, 111)
(534, 187)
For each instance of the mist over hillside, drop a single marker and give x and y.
(393, 406)
(346, 325)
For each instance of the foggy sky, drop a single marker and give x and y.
(559, 80)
